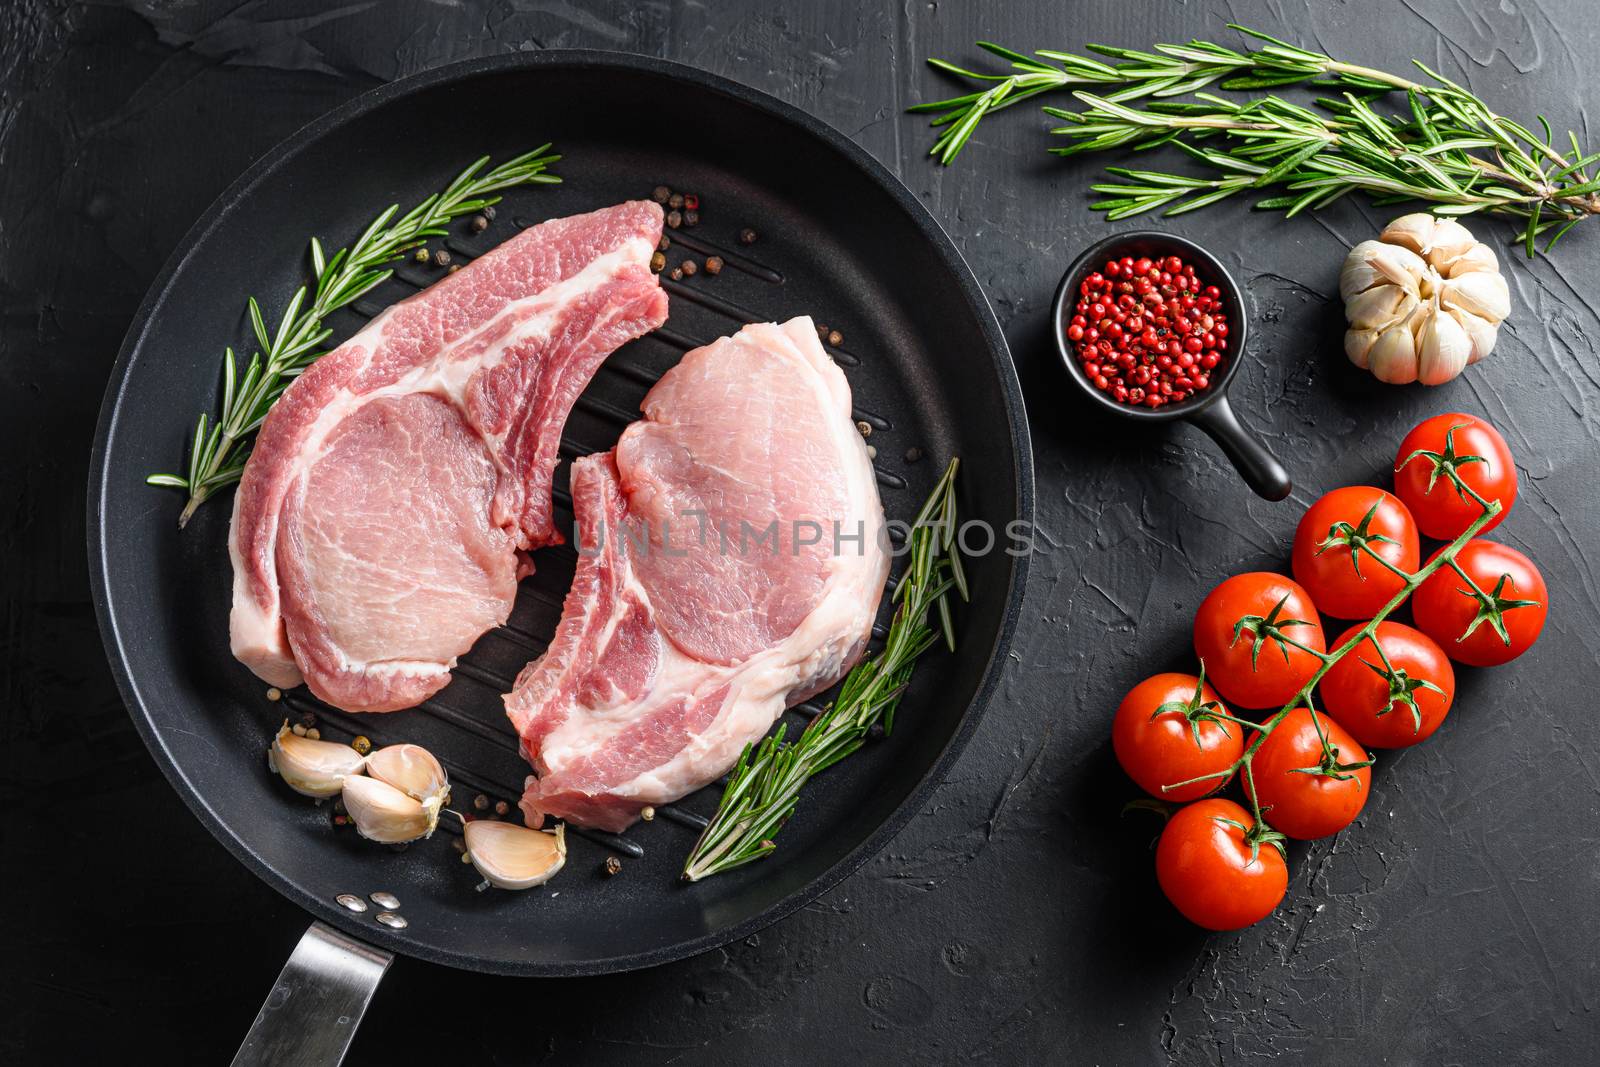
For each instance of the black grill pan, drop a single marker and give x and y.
(838, 238)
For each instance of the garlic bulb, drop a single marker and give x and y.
(411, 769)
(515, 857)
(1424, 301)
(312, 768)
(386, 814)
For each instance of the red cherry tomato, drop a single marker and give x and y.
(1324, 559)
(1251, 664)
(1162, 747)
(1440, 507)
(1449, 611)
(1212, 874)
(1393, 704)
(1308, 805)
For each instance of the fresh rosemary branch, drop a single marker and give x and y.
(1445, 146)
(764, 788)
(221, 442)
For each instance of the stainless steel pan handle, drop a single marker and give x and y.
(311, 1015)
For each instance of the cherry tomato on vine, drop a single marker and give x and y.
(1478, 455)
(1391, 692)
(1345, 581)
(1167, 731)
(1315, 804)
(1245, 634)
(1213, 873)
(1486, 630)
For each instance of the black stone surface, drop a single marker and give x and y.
(1017, 919)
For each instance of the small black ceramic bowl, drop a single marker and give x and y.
(1208, 410)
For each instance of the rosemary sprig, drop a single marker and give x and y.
(221, 442)
(1445, 147)
(764, 788)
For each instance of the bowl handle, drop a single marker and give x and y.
(317, 1002)
(1250, 458)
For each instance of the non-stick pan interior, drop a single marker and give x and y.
(924, 359)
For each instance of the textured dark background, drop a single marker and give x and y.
(1017, 919)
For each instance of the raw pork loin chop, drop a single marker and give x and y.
(385, 514)
(671, 655)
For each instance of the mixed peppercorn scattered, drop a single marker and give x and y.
(1148, 332)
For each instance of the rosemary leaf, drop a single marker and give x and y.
(764, 787)
(220, 447)
(1442, 144)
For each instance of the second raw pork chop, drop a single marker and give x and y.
(732, 555)
(387, 508)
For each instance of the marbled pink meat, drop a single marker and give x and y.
(732, 558)
(397, 486)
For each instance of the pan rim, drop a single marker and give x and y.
(262, 170)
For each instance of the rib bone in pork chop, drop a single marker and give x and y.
(385, 514)
(732, 555)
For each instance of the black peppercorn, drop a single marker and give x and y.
(713, 264)
(612, 866)
(480, 802)
(676, 201)
(747, 236)
(674, 220)
(479, 224)
(676, 275)
(661, 194)
(913, 454)
(441, 258)
(689, 266)
(501, 808)
(663, 244)
(691, 218)
(488, 212)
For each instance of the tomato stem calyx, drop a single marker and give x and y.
(1357, 538)
(1196, 709)
(1491, 606)
(1402, 689)
(1447, 463)
(1271, 627)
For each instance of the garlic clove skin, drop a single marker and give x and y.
(1378, 307)
(1393, 357)
(411, 769)
(1373, 263)
(1483, 334)
(1450, 241)
(309, 767)
(1357, 344)
(1414, 231)
(1442, 350)
(1480, 257)
(1478, 293)
(385, 814)
(515, 857)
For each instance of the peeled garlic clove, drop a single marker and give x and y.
(1357, 343)
(385, 814)
(1478, 293)
(1483, 334)
(411, 769)
(1375, 308)
(1414, 231)
(1442, 349)
(1393, 357)
(515, 857)
(312, 768)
